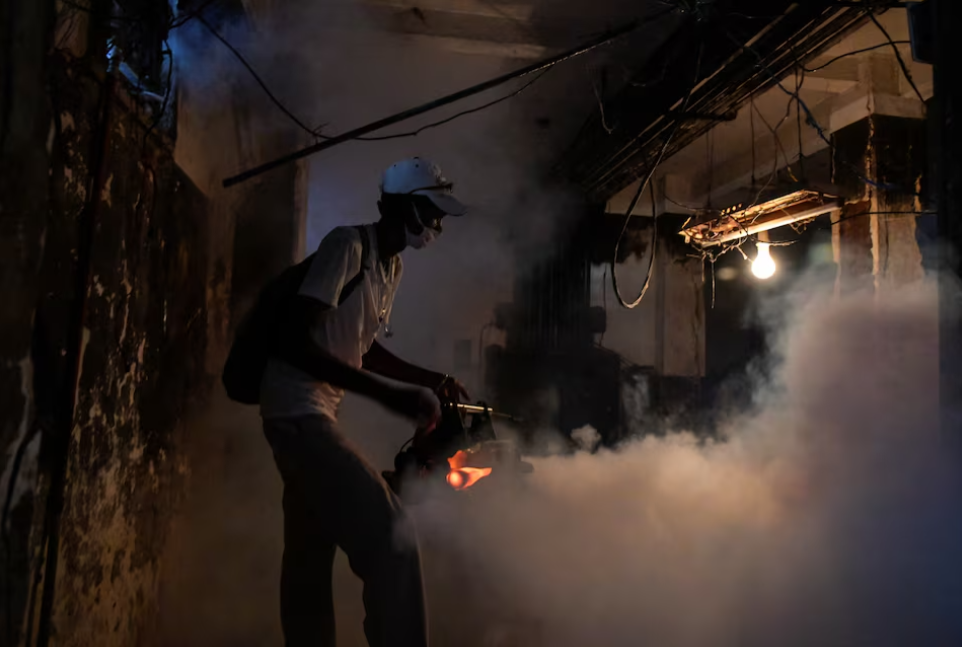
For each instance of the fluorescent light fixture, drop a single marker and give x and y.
(741, 221)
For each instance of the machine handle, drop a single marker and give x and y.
(477, 408)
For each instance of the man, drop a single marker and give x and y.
(332, 495)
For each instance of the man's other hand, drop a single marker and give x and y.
(452, 390)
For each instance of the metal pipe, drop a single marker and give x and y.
(604, 39)
(476, 408)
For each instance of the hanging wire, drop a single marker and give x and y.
(250, 69)
(798, 115)
(858, 51)
(810, 117)
(711, 165)
(316, 133)
(898, 56)
(751, 119)
(641, 188)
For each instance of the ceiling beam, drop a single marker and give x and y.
(475, 27)
(517, 51)
(515, 12)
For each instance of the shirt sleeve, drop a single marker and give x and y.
(337, 261)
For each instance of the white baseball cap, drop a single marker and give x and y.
(418, 176)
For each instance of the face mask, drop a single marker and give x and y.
(422, 239)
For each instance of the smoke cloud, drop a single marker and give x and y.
(828, 515)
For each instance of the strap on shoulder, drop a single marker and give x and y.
(351, 285)
(365, 246)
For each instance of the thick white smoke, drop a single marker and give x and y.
(829, 516)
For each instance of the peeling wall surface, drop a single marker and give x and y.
(143, 368)
(117, 279)
(93, 158)
(881, 250)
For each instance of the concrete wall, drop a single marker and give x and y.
(666, 332)
(144, 342)
(116, 197)
(24, 196)
(117, 249)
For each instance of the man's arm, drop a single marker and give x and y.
(297, 347)
(383, 362)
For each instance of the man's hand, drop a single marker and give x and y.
(415, 402)
(429, 410)
(452, 390)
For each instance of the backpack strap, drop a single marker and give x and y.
(351, 285)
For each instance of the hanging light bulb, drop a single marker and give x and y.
(763, 267)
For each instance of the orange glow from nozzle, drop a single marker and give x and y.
(461, 477)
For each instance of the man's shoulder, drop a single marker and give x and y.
(345, 234)
(341, 240)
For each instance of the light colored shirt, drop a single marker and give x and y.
(346, 332)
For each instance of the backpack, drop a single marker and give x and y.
(255, 336)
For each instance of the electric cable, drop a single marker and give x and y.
(810, 118)
(317, 134)
(270, 95)
(710, 136)
(653, 249)
(854, 53)
(751, 120)
(779, 146)
(798, 116)
(682, 206)
(898, 56)
(641, 189)
(601, 110)
(485, 106)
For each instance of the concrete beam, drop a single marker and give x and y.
(879, 91)
(845, 92)
(518, 51)
(834, 114)
(515, 12)
(459, 26)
